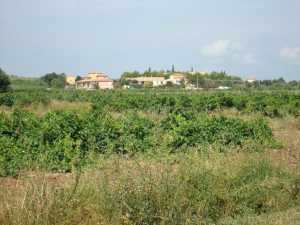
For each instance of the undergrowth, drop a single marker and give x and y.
(121, 191)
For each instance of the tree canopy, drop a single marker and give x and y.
(4, 81)
(54, 79)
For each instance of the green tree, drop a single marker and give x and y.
(124, 82)
(130, 74)
(58, 83)
(4, 81)
(169, 84)
(54, 80)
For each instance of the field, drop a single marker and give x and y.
(149, 157)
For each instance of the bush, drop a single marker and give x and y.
(60, 124)
(62, 155)
(205, 130)
(11, 157)
(136, 133)
(4, 81)
(60, 137)
(100, 133)
(7, 100)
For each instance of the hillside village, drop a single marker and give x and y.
(170, 79)
(175, 80)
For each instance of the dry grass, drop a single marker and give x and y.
(286, 130)
(287, 217)
(117, 190)
(54, 105)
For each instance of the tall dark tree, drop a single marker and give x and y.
(4, 81)
(173, 68)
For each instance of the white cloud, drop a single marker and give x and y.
(228, 49)
(249, 58)
(218, 48)
(291, 55)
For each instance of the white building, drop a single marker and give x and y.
(251, 80)
(156, 81)
(176, 78)
(223, 88)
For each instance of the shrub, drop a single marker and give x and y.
(11, 157)
(62, 155)
(4, 81)
(136, 133)
(206, 130)
(100, 133)
(58, 125)
(7, 99)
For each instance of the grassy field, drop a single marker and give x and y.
(152, 173)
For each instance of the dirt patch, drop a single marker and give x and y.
(288, 132)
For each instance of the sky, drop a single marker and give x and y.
(257, 38)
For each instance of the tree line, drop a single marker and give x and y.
(202, 80)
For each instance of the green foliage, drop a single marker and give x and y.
(179, 190)
(147, 73)
(184, 122)
(275, 84)
(59, 125)
(213, 79)
(204, 130)
(254, 194)
(25, 98)
(99, 133)
(4, 81)
(27, 83)
(59, 139)
(271, 104)
(54, 80)
(78, 78)
(11, 157)
(136, 133)
(7, 99)
(62, 155)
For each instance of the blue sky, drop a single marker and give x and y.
(258, 38)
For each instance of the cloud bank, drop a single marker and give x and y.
(228, 49)
(291, 55)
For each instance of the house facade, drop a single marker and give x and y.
(176, 79)
(70, 80)
(251, 80)
(95, 80)
(156, 81)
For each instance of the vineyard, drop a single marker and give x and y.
(268, 103)
(157, 157)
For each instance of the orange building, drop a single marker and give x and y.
(95, 80)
